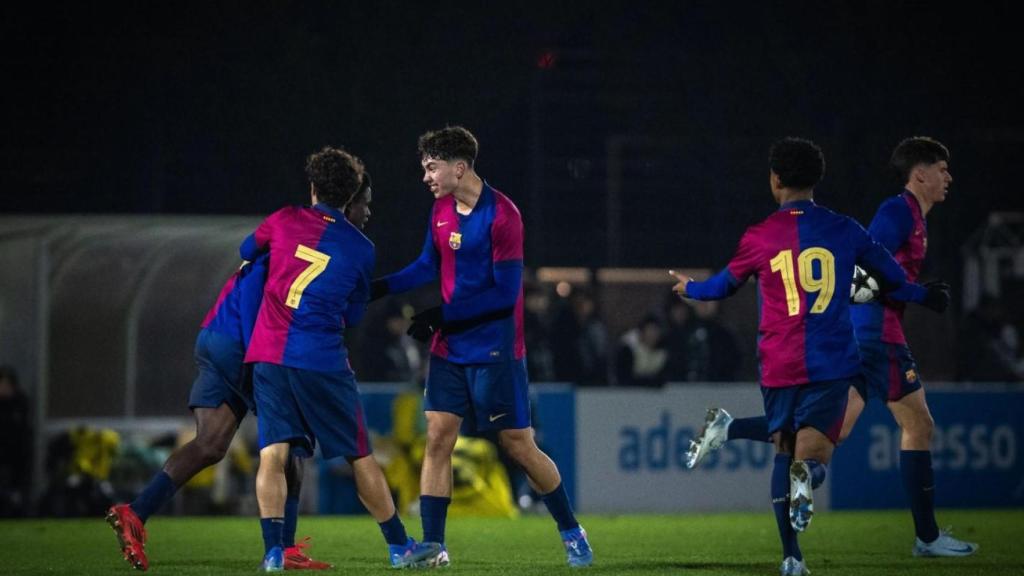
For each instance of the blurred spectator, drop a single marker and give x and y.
(536, 318)
(642, 358)
(989, 345)
(78, 463)
(700, 348)
(15, 445)
(388, 353)
(579, 341)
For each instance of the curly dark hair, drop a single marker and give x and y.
(449, 143)
(913, 151)
(336, 175)
(798, 163)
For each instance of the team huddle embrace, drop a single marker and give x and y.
(273, 344)
(829, 340)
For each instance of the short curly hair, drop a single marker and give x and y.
(449, 143)
(916, 150)
(336, 175)
(798, 162)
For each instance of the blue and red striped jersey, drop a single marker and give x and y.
(803, 257)
(898, 225)
(234, 313)
(479, 257)
(318, 282)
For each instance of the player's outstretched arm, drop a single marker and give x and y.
(722, 285)
(421, 271)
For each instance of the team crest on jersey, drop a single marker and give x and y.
(455, 240)
(911, 376)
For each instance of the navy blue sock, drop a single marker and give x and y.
(919, 483)
(818, 472)
(394, 531)
(433, 512)
(158, 492)
(291, 521)
(755, 428)
(272, 528)
(558, 505)
(780, 504)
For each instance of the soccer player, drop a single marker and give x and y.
(890, 372)
(219, 401)
(478, 360)
(803, 257)
(317, 285)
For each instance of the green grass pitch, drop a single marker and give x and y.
(837, 543)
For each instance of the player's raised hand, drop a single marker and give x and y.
(680, 287)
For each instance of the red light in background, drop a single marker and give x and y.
(547, 60)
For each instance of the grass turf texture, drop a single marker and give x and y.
(837, 543)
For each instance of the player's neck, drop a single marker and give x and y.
(787, 195)
(468, 193)
(925, 205)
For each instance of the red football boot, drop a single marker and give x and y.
(131, 534)
(296, 559)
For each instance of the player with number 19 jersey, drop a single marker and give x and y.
(803, 257)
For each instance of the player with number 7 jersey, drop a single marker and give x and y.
(318, 283)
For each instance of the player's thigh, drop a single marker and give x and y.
(889, 370)
(280, 419)
(854, 407)
(501, 395)
(779, 407)
(447, 388)
(332, 408)
(219, 362)
(822, 406)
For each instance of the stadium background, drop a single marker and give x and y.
(141, 142)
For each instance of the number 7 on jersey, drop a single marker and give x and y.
(317, 264)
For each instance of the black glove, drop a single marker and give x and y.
(463, 325)
(378, 289)
(426, 323)
(937, 299)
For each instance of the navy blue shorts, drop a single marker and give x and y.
(818, 405)
(220, 379)
(488, 396)
(890, 372)
(303, 407)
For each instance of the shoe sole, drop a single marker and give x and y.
(798, 473)
(697, 447)
(126, 549)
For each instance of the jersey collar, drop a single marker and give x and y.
(797, 204)
(330, 210)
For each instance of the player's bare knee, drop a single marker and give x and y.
(274, 456)
(518, 446)
(441, 442)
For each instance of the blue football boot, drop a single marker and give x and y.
(577, 549)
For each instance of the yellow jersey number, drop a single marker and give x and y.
(317, 264)
(824, 285)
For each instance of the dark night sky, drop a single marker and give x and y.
(211, 107)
